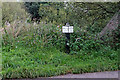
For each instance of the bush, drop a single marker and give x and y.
(13, 11)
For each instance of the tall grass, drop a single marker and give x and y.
(38, 51)
(45, 62)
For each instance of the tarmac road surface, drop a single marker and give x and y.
(106, 74)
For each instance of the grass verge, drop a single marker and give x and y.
(46, 62)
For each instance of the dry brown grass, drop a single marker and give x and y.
(14, 29)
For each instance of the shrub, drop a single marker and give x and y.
(13, 11)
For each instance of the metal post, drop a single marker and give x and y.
(67, 29)
(67, 43)
(67, 40)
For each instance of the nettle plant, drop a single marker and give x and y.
(84, 42)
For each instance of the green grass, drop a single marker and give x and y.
(45, 62)
(0, 62)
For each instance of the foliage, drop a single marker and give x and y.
(46, 11)
(13, 11)
(23, 63)
(53, 12)
(43, 46)
(83, 14)
(38, 50)
(33, 8)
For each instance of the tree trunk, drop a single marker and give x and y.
(111, 26)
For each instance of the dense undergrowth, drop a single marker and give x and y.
(37, 49)
(44, 62)
(40, 52)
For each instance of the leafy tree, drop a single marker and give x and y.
(33, 9)
(12, 11)
(95, 15)
(52, 12)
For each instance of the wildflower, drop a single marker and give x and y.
(58, 26)
(16, 46)
(60, 30)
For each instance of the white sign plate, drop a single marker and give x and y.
(66, 29)
(71, 29)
